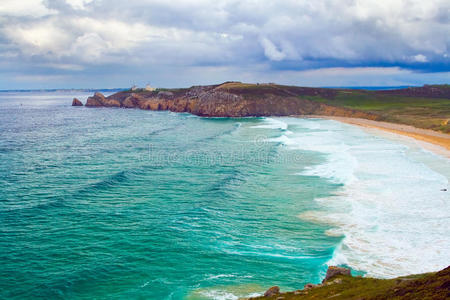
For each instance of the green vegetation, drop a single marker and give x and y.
(429, 113)
(424, 286)
(173, 90)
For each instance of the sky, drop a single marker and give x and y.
(180, 43)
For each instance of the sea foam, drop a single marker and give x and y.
(272, 123)
(391, 210)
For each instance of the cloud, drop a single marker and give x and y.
(40, 78)
(78, 4)
(85, 39)
(420, 58)
(30, 8)
(271, 51)
(37, 38)
(71, 67)
(135, 36)
(360, 71)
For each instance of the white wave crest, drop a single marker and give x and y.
(271, 123)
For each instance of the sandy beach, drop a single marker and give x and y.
(435, 141)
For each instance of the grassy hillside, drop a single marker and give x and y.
(424, 286)
(429, 113)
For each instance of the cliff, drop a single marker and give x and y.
(423, 107)
(231, 99)
(340, 285)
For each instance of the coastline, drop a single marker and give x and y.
(340, 284)
(434, 141)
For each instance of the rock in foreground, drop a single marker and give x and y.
(333, 271)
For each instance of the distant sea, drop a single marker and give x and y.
(123, 203)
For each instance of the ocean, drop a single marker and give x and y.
(107, 203)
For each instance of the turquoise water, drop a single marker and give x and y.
(113, 203)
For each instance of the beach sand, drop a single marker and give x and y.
(434, 141)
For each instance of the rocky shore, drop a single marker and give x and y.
(339, 284)
(231, 99)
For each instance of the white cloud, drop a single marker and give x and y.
(78, 4)
(90, 47)
(38, 38)
(70, 67)
(32, 8)
(117, 34)
(420, 58)
(81, 38)
(271, 51)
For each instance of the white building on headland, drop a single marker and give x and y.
(148, 88)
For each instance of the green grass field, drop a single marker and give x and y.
(429, 113)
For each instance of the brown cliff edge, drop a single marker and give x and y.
(231, 99)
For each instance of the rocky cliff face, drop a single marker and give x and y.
(100, 100)
(230, 100)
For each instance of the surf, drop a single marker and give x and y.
(391, 209)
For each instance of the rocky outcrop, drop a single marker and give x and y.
(95, 101)
(131, 101)
(272, 291)
(333, 271)
(99, 100)
(76, 102)
(230, 100)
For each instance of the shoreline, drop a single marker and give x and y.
(434, 141)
